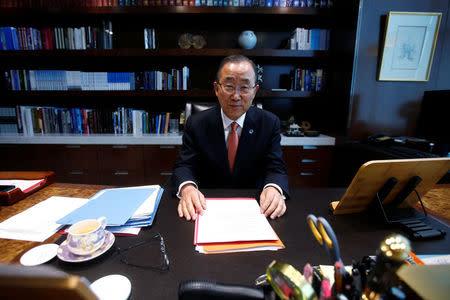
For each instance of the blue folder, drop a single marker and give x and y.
(117, 205)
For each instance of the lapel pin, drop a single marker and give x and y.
(250, 131)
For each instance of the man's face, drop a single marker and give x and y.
(236, 88)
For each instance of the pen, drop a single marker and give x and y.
(338, 277)
(325, 290)
(308, 272)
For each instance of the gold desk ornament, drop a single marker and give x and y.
(289, 283)
(198, 41)
(185, 41)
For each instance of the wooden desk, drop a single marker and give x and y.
(13, 249)
(437, 202)
(357, 237)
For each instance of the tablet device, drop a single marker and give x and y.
(373, 175)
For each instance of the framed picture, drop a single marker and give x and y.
(409, 42)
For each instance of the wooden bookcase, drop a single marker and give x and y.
(326, 110)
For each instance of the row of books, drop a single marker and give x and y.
(143, 3)
(310, 39)
(8, 123)
(168, 81)
(82, 38)
(149, 38)
(64, 80)
(37, 120)
(311, 80)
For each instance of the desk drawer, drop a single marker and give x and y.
(159, 162)
(308, 166)
(122, 177)
(120, 157)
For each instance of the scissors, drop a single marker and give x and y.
(324, 234)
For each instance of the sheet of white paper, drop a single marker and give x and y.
(148, 206)
(21, 184)
(435, 259)
(231, 220)
(38, 222)
(124, 230)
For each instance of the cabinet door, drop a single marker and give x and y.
(80, 164)
(308, 166)
(159, 162)
(40, 158)
(12, 157)
(121, 165)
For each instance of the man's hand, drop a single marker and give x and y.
(191, 199)
(272, 203)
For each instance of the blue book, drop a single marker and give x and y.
(315, 36)
(15, 40)
(269, 3)
(307, 80)
(132, 81)
(8, 38)
(2, 39)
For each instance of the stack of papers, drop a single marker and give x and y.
(127, 210)
(23, 185)
(39, 221)
(234, 225)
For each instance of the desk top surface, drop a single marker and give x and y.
(357, 237)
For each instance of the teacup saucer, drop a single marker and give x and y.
(65, 254)
(39, 255)
(112, 287)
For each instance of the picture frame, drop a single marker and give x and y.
(408, 47)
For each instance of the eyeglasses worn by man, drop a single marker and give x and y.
(204, 158)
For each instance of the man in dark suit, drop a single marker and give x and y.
(235, 145)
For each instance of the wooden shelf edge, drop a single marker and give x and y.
(145, 139)
(150, 93)
(168, 10)
(217, 52)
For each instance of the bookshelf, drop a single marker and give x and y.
(325, 109)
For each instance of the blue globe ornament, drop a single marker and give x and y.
(247, 39)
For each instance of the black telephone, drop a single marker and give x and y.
(379, 139)
(6, 188)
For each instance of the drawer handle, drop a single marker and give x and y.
(73, 146)
(167, 147)
(76, 172)
(119, 146)
(166, 173)
(118, 172)
(307, 160)
(307, 173)
(309, 147)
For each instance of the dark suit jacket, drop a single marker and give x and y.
(203, 157)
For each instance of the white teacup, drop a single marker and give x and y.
(86, 236)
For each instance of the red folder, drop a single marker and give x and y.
(11, 197)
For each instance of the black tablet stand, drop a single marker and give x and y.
(409, 219)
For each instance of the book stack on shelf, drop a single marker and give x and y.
(8, 120)
(149, 38)
(307, 80)
(144, 3)
(38, 120)
(68, 38)
(310, 39)
(64, 80)
(159, 80)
